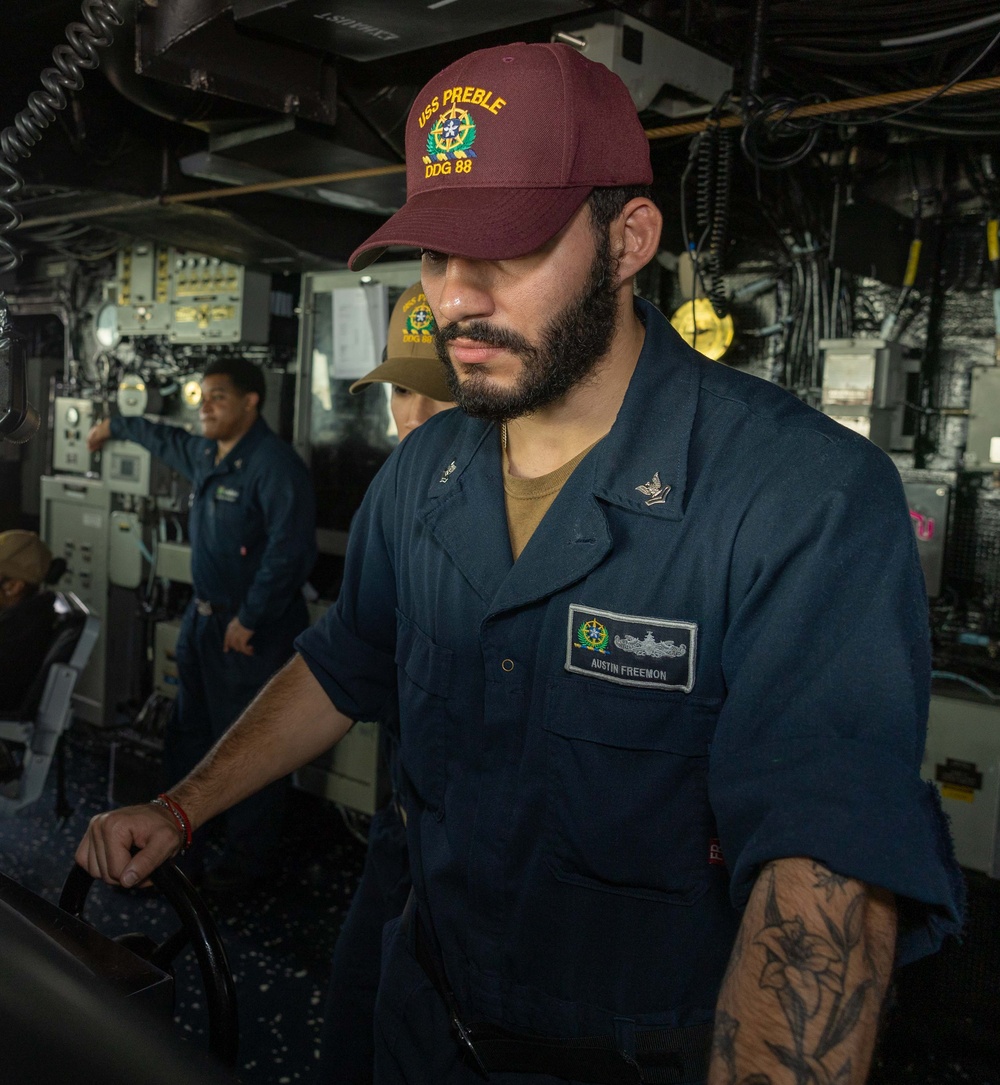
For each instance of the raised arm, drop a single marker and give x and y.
(175, 446)
(290, 722)
(801, 1000)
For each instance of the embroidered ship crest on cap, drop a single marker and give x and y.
(420, 320)
(451, 136)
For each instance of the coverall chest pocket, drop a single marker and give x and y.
(425, 683)
(229, 511)
(628, 789)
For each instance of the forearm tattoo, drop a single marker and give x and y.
(829, 882)
(824, 981)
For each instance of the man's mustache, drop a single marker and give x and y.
(480, 331)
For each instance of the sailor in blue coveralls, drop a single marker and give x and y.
(661, 647)
(252, 529)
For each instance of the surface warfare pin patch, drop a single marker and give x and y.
(652, 653)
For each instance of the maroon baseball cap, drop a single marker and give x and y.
(504, 145)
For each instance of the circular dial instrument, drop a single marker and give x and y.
(698, 325)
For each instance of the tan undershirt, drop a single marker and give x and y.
(527, 500)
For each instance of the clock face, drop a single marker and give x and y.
(698, 325)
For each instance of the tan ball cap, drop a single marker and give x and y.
(23, 556)
(410, 358)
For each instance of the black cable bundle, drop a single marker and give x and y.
(71, 60)
(715, 172)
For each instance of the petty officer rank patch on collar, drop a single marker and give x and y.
(651, 653)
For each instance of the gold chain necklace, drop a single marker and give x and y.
(503, 436)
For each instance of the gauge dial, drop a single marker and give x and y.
(191, 393)
(106, 326)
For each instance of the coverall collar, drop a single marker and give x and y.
(233, 459)
(627, 463)
(466, 510)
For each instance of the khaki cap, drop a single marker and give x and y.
(23, 556)
(410, 358)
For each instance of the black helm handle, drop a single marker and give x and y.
(197, 922)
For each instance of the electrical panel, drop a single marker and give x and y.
(74, 525)
(143, 289)
(216, 302)
(962, 758)
(126, 467)
(866, 385)
(190, 297)
(101, 546)
(71, 422)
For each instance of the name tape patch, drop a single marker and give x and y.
(652, 653)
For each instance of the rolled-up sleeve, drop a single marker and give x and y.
(827, 665)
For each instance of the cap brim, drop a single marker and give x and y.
(425, 376)
(478, 223)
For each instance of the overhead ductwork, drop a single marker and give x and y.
(197, 44)
(371, 29)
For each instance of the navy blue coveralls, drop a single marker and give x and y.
(347, 1042)
(712, 653)
(253, 544)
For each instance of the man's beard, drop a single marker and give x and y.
(571, 345)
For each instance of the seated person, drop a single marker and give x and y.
(27, 618)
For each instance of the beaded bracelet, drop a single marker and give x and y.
(177, 811)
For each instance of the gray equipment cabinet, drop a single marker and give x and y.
(962, 758)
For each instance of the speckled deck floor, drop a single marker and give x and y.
(279, 939)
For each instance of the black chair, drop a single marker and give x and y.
(45, 712)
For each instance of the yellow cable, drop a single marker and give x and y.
(911, 264)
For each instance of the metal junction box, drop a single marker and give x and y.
(662, 73)
(962, 758)
(929, 504)
(982, 446)
(866, 384)
(173, 561)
